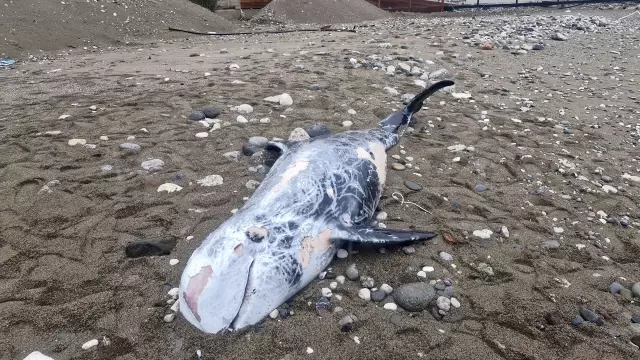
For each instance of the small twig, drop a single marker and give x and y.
(397, 196)
(259, 32)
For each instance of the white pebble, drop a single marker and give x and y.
(169, 187)
(104, 138)
(174, 292)
(202, 134)
(174, 262)
(342, 253)
(211, 180)
(207, 74)
(351, 112)
(333, 285)
(483, 234)
(234, 67)
(37, 355)
(428, 269)
(93, 108)
(505, 231)
(74, 142)
(340, 279)
(364, 294)
(241, 119)
(455, 303)
(347, 123)
(326, 292)
(169, 317)
(558, 230)
(309, 350)
(176, 306)
(89, 344)
(382, 216)
(422, 274)
(386, 288)
(286, 100)
(273, 314)
(65, 116)
(390, 306)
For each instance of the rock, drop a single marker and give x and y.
(364, 294)
(74, 142)
(169, 317)
(346, 323)
(367, 281)
(635, 289)
(130, 146)
(196, 115)
(482, 267)
(626, 293)
(244, 109)
(412, 185)
(606, 178)
(254, 144)
(635, 318)
(347, 123)
(378, 295)
(274, 314)
(397, 166)
(316, 87)
(342, 254)
(446, 256)
(443, 303)
(232, 155)
(211, 180)
(173, 262)
(487, 45)
(316, 130)
(438, 74)
(554, 318)
(636, 340)
(414, 296)
(37, 355)
(381, 216)
(144, 248)
(408, 250)
(352, 273)
(559, 37)
(390, 306)
(391, 91)
(577, 321)
(89, 344)
(550, 244)
(326, 292)
(286, 100)
(210, 112)
(615, 287)
(106, 168)
(169, 187)
(386, 288)
(152, 165)
(298, 134)
(455, 302)
(537, 47)
(591, 316)
(483, 234)
(480, 188)
(252, 184)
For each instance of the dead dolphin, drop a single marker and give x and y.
(320, 193)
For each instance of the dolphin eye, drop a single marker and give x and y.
(372, 156)
(254, 237)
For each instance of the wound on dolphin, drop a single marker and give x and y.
(195, 287)
(310, 244)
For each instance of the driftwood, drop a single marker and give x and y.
(262, 32)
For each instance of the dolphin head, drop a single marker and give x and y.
(214, 282)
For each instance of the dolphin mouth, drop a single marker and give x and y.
(247, 292)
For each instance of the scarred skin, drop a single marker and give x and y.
(319, 193)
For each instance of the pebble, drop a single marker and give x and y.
(252, 184)
(364, 294)
(635, 289)
(550, 244)
(378, 295)
(316, 130)
(421, 274)
(211, 180)
(196, 115)
(408, 250)
(397, 166)
(65, 116)
(244, 109)
(428, 269)
(340, 279)
(443, 303)
(615, 287)
(169, 187)
(635, 319)
(381, 216)
(591, 316)
(74, 142)
(455, 302)
(232, 155)
(142, 248)
(482, 267)
(386, 288)
(346, 323)
(412, 185)
(152, 165)
(202, 134)
(446, 256)
(480, 188)
(390, 306)
(352, 273)
(414, 296)
(286, 100)
(89, 344)
(347, 123)
(299, 134)
(130, 146)
(342, 254)
(254, 144)
(274, 314)
(367, 281)
(326, 292)
(577, 321)
(169, 317)
(210, 112)
(173, 262)
(351, 112)
(483, 234)
(37, 355)
(559, 37)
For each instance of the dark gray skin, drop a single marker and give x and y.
(319, 194)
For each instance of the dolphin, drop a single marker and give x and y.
(320, 193)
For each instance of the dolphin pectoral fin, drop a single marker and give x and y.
(380, 236)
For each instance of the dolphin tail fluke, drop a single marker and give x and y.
(400, 119)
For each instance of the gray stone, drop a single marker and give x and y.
(152, 165)
(443, 303)
(591, 316)
(210, 112)
(635, 319)
(414, 296)
(254, 144)
(346, 323)
(550, 244)
(367, 282)
(412, 186)
(480, 188)
(352, 273)
(130, 146)
(232, 155)
(446, 256)
(378, 295)
(196, 115)
(559, 37)
(298, 134)
(615, 287)
(635, 289)
(317, 130)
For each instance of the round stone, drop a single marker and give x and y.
(274, 314)
(414, 296)
(152, 165)
(382, 216)
(591, 316)
(342, 254)
(326, 292)
(577, 321)
(298, 134)
(446, 256)
(397, 166)
(352, 273)
(196, 115)
(130, 146)
(386, 288)
(615, 287)
(210, 112)
(346, 323)
(480, 188)
(254, 144)
(443, 303)
(378, 295)
(412, 186)
(635, 289)
(455, 303)
(390, 306)
(364, 294)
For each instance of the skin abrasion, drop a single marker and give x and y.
(195, 287)
(320, 243)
